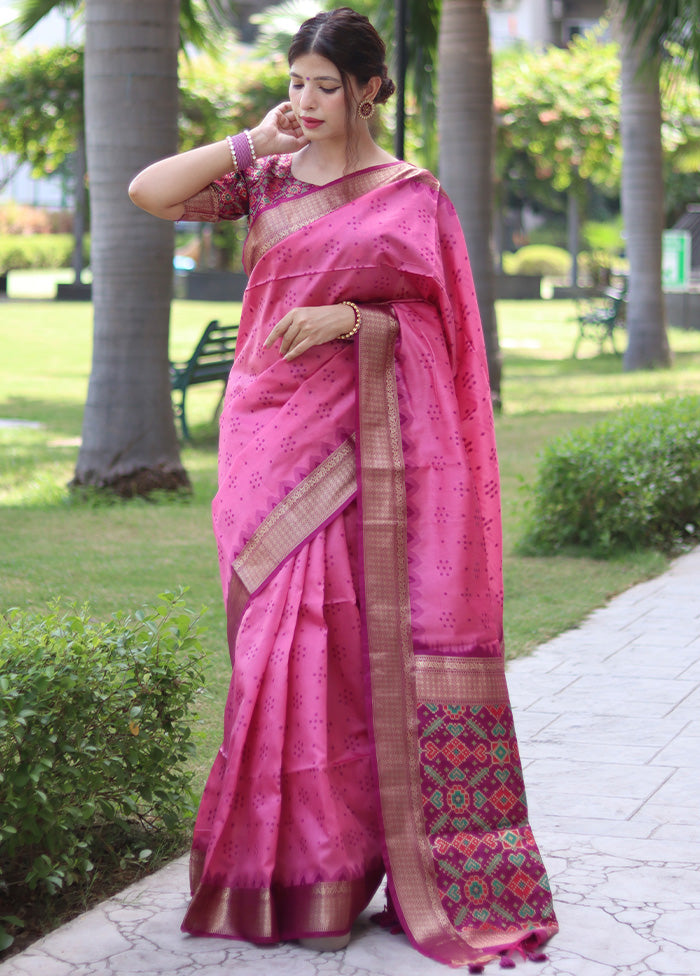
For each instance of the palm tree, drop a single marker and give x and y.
(466, 127)
(131, 95)
(642, 194)
(643, 28)
(129, 443)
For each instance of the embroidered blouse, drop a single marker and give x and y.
(245, 193)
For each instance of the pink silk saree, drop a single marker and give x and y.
(368, 727)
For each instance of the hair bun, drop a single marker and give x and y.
(386, 90)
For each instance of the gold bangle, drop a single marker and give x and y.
(358, 321)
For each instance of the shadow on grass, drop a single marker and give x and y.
(37, 462)
(53, 415)
(536, 385)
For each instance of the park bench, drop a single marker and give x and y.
(598, 317)
(211, 361)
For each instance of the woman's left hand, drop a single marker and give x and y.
(303, 328)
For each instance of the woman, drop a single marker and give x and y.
(367, 728)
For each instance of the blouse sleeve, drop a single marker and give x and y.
(225, 199)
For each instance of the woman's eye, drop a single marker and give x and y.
(329, 91)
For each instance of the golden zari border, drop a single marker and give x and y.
(388, 622)
(394, 694)
(300, 513)
(275, 224)
(269, 914)
(321, 494)
(461, 681)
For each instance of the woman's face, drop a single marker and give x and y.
(317, 97)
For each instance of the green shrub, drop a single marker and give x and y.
(37, 251)
(94, 737)
(606, 235)
(538, 259)
(632, 481)
(553, 232)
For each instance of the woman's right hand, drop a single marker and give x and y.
(279, 132)
(162, 187)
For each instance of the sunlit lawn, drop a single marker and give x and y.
(124, 555)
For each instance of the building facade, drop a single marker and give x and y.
(540, 22)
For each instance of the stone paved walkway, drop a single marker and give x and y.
(608, 717)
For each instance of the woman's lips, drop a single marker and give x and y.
(311, 123)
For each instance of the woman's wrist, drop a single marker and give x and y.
(357, 321)
(257, 139)
(241, 150)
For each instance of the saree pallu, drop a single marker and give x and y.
(368, 727)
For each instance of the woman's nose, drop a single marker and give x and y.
(307, 99)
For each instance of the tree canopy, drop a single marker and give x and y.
(559, 121)
(41, 105)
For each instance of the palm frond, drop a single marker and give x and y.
(660, 23)
(31, 12)
(278, 24)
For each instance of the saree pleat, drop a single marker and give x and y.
(368, 726)
(289, 817)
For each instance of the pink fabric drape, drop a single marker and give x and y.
(319, 787)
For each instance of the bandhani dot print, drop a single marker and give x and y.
(295, 829)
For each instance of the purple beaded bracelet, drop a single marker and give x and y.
(242, 150)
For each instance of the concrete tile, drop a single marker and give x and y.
(666, 830)
(575, 805)
(543, 747)
(603, 729)
(595, 779)
(674, 961)
(683, 751)
(679, 791)
(591, 827)
(525, 689)
(35, 961)
(89, 938)
(688, 709)
(609, 722)
(602, 940)
(529, 724)
(681, 929)
(645, 884)
(638, 691)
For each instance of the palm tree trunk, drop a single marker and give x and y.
(129, 439)
(80, 208)
(466, 126)
(642, 201)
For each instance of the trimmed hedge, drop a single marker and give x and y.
(94, 738)
(541, 259)
(19, 252)
(629, 482)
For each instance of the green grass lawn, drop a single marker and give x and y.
(123, 555)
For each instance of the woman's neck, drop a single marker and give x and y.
(324, 161)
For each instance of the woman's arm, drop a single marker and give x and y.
(163, 187)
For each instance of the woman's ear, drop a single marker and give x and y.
(370, 89)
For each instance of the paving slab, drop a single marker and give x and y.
(608, 717)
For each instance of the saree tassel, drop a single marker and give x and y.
(507, 961)
(388, 919)
(476, 968)
(531, 950)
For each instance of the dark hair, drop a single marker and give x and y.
(351, 43)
